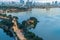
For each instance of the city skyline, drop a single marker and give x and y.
(46, 0)
(30, 0)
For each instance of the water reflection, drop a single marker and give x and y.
(48, 25)
(3, 36)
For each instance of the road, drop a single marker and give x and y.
(17, 30)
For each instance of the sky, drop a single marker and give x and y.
(46, 0)
(9, 0)
(33, 0)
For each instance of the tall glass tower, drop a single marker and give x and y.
(21, 1)
(29, 3)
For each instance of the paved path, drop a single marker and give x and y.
(17, 30)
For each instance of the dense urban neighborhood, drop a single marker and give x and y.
(29, 4)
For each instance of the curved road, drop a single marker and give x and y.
(17, 30)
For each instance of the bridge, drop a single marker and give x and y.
(16, 29)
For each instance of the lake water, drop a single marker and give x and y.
(49, 23)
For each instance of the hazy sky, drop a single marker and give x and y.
(10, 0)
(33, 0)
(47, 0)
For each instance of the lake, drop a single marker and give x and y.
(49, 23)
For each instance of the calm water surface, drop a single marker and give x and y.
(49, 26)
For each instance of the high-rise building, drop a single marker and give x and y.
(56, 2)
(29, 3)
(52, 2)
(21, 1)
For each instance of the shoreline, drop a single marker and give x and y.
(13, 10)
(13, 25)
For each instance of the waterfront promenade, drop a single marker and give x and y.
(17, 30)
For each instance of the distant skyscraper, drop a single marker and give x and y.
(29, 3)
(27, 0)
(53, 3)
(56, 2)
(21, 1)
